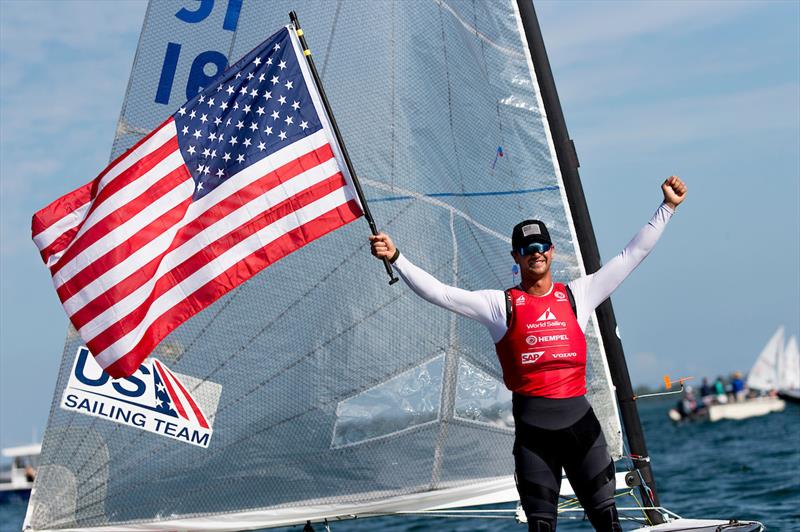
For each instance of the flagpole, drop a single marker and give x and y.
(356, 184)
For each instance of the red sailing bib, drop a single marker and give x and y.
(543, 353)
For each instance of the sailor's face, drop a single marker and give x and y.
(535, 264)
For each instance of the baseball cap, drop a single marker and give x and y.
(529, 231)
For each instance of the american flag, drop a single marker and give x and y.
(240, 176)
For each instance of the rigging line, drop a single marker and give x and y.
(486, 77)
(241, 350)
(485, 256)
(450, 100)
(485, 70)
(392, 123)
(433, 201)
(449, 374)
(641, 507)
(482, 36)
(330, 40)
(121, 120)
(203, 330)
(220, 450)
(466, 194)
(230, 48)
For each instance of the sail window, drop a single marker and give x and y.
(482, 398)
(408, 400)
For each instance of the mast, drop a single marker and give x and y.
(568, 163)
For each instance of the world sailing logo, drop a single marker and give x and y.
(152, 399)
(547, 316)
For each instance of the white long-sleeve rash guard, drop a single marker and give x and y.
(489, 306)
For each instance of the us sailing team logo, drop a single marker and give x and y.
(152, 399)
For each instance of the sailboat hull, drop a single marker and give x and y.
(746, 409)
(760, 406)
(791, 396)
(705, 525)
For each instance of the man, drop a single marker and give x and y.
(706, 395)
(537, 328)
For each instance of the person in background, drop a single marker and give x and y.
(688, 404)
(719, 391)
(737, 385)
(706, 394)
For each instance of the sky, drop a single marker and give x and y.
(709, 91)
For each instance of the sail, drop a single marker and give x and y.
(315, 389)
(789, 376)
(764, 373)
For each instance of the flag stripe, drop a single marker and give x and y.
(218, 219)
(119, 362)
(150, 142)
(53, 252)
(47, 239)
(103, 331)
(101, 225)
(124, 260)
(134, 178)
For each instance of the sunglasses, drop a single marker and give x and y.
(534, 247)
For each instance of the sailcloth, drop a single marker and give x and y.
(789, 373)
(764, 373)
(328, 392)
(243, 174)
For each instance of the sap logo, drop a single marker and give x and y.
(530, 358)
(152, 399)
(531, 340)
(521, 300)
(565, 355)
(561, 296)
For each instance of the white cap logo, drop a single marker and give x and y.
(531, 229)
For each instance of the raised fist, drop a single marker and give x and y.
(674, 191)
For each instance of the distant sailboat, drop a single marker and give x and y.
(777, 369)
(16, 478)
(789, 372)
(763, 375)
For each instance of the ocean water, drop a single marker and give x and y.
(747, 469)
